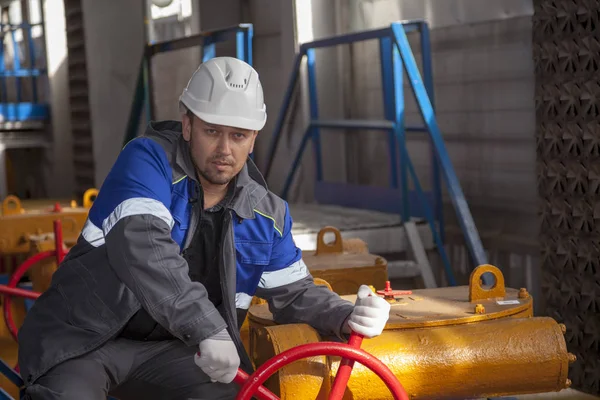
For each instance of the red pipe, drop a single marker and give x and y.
(321, 349)
(58, 241)
(28, 294)
(343, 375)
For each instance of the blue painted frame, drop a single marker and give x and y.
(242, 34)
(21, 111)
(396, 56)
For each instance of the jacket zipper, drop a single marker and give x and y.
(226, 299)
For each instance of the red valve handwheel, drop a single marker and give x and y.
(350, 353)
(11, 288)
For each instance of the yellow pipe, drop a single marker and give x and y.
(500, 357)
(457, 342)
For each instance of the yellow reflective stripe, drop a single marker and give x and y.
(271, 218)
(180, 179)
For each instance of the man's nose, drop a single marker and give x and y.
(224, 145)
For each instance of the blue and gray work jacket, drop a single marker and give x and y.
(129, 256)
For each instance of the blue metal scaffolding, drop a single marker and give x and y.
(16, 70)
(396, 56)
(242, 34)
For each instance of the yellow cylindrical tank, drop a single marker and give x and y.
(459, 342)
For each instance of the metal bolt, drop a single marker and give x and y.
(572, 358)
(479, 309)
(568, 383)
(563, 328)
(379, 261)
(523, 294)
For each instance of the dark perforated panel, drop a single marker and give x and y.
(566, 47)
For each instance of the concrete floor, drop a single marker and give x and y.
(567, 394)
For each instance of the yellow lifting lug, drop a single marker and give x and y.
(12, 206)
(89, 196)
(478, 292)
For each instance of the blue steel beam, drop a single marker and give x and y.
(10, 374)
(399, 132)
(382, 125)
(8, 27)
(429, 217)
(386, 48)
(296, 163)
(215, 36)
(314, 111)
(287, 99)
(208, 51)
(355, 37)
(378, 125)
(243, 44)
(4, 395)
(425, 107)
(435, 165)
(3, 91)
(24, 111)
(16, 63)
(23, 72)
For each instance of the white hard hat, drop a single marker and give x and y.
(226, 91)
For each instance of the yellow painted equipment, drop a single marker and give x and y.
(342, 265)
(457, 342)
(345, 264)
(18, 222)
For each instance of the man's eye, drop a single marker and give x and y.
(239, 136)
(211, 131)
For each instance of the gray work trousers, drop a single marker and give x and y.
(131, 370)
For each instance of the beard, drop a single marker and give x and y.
(211, 174)
(216, 177)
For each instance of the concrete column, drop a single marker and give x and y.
(114, 34)
(61, 155)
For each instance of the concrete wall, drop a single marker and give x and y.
(171, 71)
(114, 35)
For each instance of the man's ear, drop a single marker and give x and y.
(186, 127)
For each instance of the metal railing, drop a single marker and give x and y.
(396, 56)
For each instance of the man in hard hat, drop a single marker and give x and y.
(182, 235)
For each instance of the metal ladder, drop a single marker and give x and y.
(396, 56)
(143, 99)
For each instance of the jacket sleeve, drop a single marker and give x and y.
(131, 215)
(292, 295)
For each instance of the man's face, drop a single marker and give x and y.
(219, 152)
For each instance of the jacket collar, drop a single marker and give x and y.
(250, 185)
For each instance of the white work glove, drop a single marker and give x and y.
(370, 313)
(218, 357)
